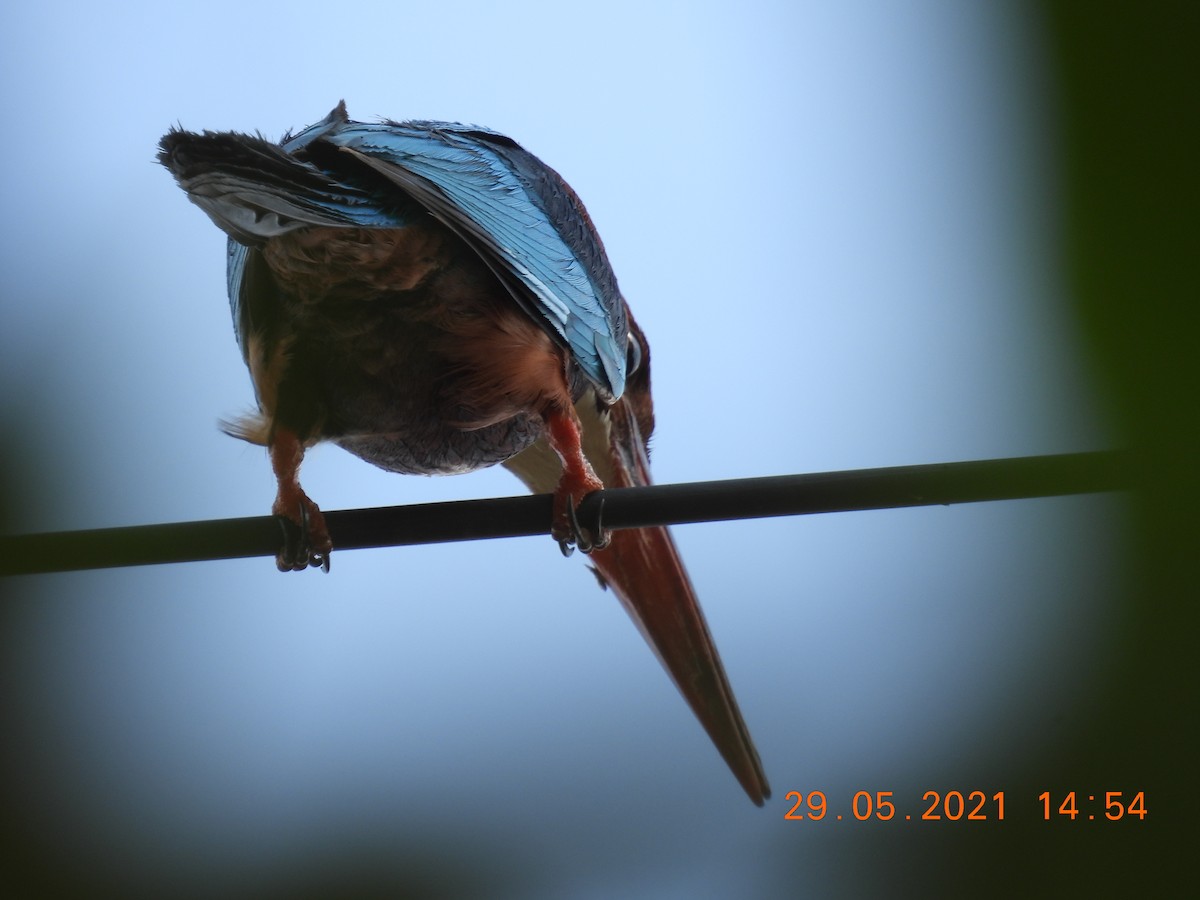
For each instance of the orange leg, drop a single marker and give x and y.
(564, 432)
(306, 539)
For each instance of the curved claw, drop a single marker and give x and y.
(318, 559)
(291, 544)
(298, 552)
(586, 539)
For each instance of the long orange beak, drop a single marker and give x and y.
(643, 568)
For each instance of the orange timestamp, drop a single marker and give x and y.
(1078, 805)
(969, 806)
(953, 806)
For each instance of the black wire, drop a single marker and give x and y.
(467, 520)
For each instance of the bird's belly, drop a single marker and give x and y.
(388, 388)
(432, 450)
(402, 347)
(390, 398)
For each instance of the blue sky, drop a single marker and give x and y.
(837, 224)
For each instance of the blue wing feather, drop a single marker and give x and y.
(520, 216)
(512, 209)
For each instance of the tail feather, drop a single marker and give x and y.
(254, 190)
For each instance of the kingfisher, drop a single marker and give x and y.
(435, 299)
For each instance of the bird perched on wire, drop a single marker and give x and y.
(435, 299)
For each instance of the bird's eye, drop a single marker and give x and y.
(633, 355)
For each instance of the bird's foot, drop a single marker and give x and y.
(578, 479)
(306, 540)
(571, 533)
